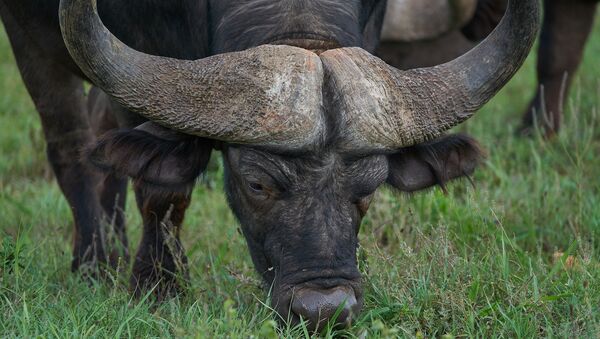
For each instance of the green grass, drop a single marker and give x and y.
(478, 262)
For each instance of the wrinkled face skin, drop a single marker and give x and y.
(301, 216)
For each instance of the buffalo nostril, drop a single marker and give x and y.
(320, 306)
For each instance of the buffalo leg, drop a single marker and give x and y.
(160, 263)
(567, 25)
(113, 188)
(60, 100)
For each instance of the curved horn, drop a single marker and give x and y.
(270, 95)
(383, 108)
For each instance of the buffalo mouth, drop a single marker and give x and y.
(319, 302)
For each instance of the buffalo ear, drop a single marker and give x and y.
(152, 154)
(434, 163)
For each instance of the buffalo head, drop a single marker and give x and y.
(308, 134)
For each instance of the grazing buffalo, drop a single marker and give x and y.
(309, 123)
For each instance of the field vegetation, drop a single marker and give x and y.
(516, 256)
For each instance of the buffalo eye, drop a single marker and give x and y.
(259, 190)
(256, 187)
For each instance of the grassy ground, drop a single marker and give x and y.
(479, 262)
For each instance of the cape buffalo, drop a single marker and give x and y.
(309, 122)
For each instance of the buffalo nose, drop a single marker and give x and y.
(320, 306)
